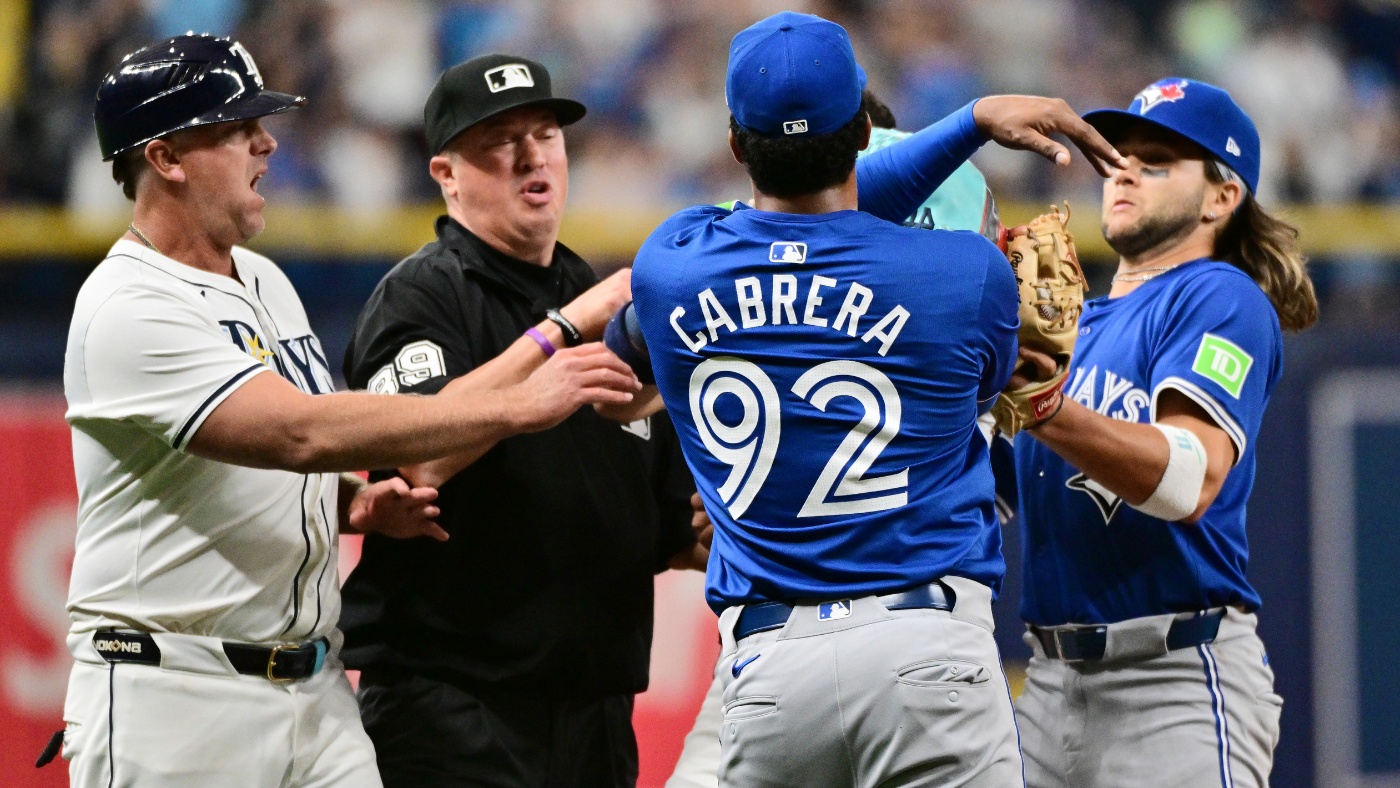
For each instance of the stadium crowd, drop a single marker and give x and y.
(1319, 76)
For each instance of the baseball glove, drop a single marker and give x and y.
(1051, 286)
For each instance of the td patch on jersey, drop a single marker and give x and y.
(787, 252)
(1220, 360)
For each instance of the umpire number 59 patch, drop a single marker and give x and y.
(1224, 362)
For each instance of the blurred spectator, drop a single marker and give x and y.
(1207, 34)
(1319, 76)
(467, 28)
(929, 59)
(384, 52)
(75, 42)
(618, 172)
(1293, 83)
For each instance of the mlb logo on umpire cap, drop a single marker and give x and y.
(787, 252)
(511, 75)
(834, 611)
(795, 127)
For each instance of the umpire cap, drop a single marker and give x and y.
(181, 82)
(482, 87)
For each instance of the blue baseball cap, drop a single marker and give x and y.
(1200, 112)
(793, 75)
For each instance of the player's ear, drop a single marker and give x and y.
(865, 139)
(734, 148)
(440, 167)
(1222, 199)
(165, 160)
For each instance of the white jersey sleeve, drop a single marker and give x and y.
(160, 363)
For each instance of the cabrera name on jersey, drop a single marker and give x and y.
(824, 373)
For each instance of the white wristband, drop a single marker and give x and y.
(1179, 491)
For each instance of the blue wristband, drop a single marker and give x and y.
(623, 337)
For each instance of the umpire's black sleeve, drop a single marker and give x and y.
(411, 337)
(673, 485)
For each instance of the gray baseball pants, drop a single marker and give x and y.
(878, 698)
(1200, 716)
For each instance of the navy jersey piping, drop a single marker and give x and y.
(296, 579)
(180, 436)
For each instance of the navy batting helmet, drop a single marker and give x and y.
(178, 83)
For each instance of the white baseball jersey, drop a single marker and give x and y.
(171, 542)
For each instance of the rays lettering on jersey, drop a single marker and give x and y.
(754, 310)
(308, 370)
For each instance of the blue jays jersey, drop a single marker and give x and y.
(824, 372)
(1206, 330)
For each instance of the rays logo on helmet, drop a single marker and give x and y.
(1160, 94)
(511, 75)
(247, 59)
(787, 252)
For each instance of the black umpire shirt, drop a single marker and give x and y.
(545, 586)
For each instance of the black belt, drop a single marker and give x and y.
(1077, 644)
(764, 616)
(276, 663)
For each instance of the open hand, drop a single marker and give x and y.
(1026, 123)
(397, 511)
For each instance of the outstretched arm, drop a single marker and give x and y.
(589, 312)
(269, 423)
(894, 181)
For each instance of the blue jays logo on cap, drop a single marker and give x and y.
(1198, 111)
(834, 611)
(793, 74)
(787, 252)
(1156, 94)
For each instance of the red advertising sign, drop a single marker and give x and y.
(38, 516)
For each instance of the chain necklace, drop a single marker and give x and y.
(142, 236)
(1143, 275)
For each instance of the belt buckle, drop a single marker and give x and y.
(272, 660)
(1059, 646)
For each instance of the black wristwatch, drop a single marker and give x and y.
(572, 336)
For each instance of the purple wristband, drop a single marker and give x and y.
(542, 340)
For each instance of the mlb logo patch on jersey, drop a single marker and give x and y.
(511, 75)
(834, 611)
(795, 127)
(787, 252)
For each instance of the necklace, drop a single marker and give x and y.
(142, 236)
(1143, 275)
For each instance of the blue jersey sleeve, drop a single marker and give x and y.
(1220, 345)
(892, 182)
(998, 321)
